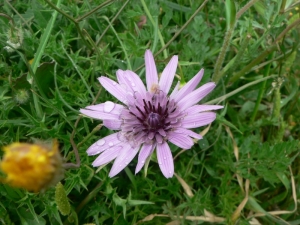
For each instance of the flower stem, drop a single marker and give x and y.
(154, 24)
(254, 62)
(245, 8)
(262, 90)
(217, 73)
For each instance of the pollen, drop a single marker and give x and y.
(154, 88)
(32, 167)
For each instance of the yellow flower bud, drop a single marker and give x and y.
(33, 167)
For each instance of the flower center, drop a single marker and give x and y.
(149, 118)
(153, 120)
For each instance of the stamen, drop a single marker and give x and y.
(140, 111)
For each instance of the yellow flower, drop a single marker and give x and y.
(31, 166)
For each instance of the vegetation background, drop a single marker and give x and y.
(246, 168)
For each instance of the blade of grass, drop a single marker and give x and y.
(40, 51)
(121, 43)
(79, 73)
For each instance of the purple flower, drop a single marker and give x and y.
(148, 118)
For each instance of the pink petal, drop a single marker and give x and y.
(107, 107)
(188, 132)
(165, 159)
(121, 78)
(99, 115)
(135, 82)
(151, 72)
(107, 156)
(103, 144)
(198, 120)
(195, 96)
(189, 87)
(181, 140)
(113, 124)
(202, 108)
(168, 74)
(175, 90)
(125, 157)
(114, 88)
(145, 152)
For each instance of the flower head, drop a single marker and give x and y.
(149, 118)
(31, 166)
(15, 39)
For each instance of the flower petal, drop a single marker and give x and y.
(195, 96)
(165, 159)
(121, 78)
(99, 115)
(113, 124)
(181, 140)
(168, 74)
(145, 152)
(107, 156)
(198, 120)
(135, 82)
(125, 157)
(188, 132)
(103, 144)
(114, 88)
(175, 90)
(202, 108)
(190, 86)
(107, 107)
(151, 72)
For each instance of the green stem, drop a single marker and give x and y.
(94, 10)
(254, 62)
(277, 106)
(217, 71)
(89, 197)
(153, 24)
(60, 11)
(262, 90)
(182, 28)
(287, 29)
(245, 8)
(222, 98)
(113, 20)
(70, 18)
(232, 65)
(282, 7)
(78, 71)
(8, 17)
(178, 32)
(121, 43)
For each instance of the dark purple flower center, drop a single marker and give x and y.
(153, 120)
(149, 118)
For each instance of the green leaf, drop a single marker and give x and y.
(230, 13)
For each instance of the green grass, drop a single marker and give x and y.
(245, 168)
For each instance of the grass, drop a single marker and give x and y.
(245, 169)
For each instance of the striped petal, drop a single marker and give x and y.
(181, 140)
(202, 108)
(151, 72)
(125, 157)
(107, 156)
(190, 86)
(165, 159)
(112, 124)
(195, 96)
(99, 115)
(168, 74)
(114, 88)
(198, 120)
(103, 144)
(145, 152)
